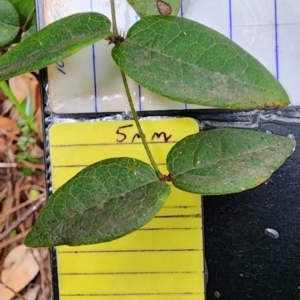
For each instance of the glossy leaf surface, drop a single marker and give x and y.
(155, 7)
(54, 42)
(104, 201)
(223, 161)
(9, 23)
(189, 62)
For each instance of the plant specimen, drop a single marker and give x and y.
(179, 59)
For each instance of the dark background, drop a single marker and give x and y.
(244, 261)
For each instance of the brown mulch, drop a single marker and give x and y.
(25, 273)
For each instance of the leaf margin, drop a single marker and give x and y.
(33, 238)
(223, 188)
(267, 100)
(11, 62)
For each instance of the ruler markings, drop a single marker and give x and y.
(175, 228)
(132, 250)
(165, 251)
(128, 273)
(83, 166)
(131, 294)
(179, 216)
(109, 144)
(179, 206)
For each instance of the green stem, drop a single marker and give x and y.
(113, 16)
(29, 18)
(5, 88)
(139, 128)
(134, 114)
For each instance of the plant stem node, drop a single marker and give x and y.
(118, 39)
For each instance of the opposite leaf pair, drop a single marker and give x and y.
(184, 61)
(171, 56)
(116, 196)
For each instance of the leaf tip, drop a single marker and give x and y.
(34, 240)
(30, 241)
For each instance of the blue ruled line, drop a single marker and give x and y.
(94, 70)
(95, 79)
(230, 19)
(276, 39)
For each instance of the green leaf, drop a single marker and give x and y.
(103, 202)
(191, 63)
(24, 9)
(9, 23)
(224, 161)
(54, 42)
(27, 171)
(29, 106)
(155, 7)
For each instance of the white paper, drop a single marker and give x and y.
(90, 81)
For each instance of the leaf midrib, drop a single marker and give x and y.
(36, 56)
(91, 207)
(223, 159)
(191, 65)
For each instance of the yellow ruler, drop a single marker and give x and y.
(164, 259)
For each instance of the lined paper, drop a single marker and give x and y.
(90, 82)
(164, 259)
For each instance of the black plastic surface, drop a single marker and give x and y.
(245, 259)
